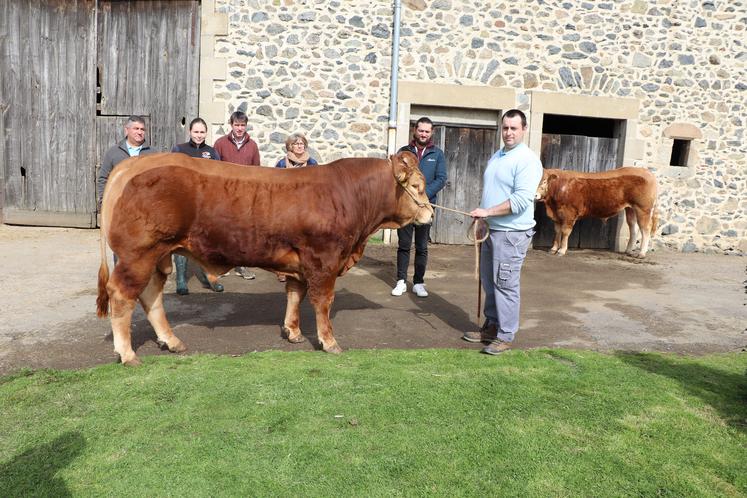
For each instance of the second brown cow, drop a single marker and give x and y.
(571, 195)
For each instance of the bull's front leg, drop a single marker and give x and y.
(295, 291)
(565, 233)
(322, 294)
(556, 240)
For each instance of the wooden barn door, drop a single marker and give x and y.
(47, 103)
(467, 150)
(578, 153)
(72, 72)
(148, 65)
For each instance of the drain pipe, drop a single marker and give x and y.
(392, 130)
(392, 136)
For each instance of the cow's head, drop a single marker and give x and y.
(413, 204)
(544, 186)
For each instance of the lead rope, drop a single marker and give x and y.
(477, 232)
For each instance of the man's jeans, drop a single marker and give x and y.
(421, 251)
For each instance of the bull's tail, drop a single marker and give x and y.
(102, 301)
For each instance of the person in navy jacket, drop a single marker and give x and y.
(196, 147)
(433, 166)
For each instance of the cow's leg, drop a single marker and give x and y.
(152, 301)
(127, 282)
(121, 317)
(630, 218)
(556, 240)
(295, 291)
(565, 230)
(645, 222)
(321, 295)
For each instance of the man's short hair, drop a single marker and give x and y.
(238, 117)
(424, 119)
(134, 119)
(513, 113)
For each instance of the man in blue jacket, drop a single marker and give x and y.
(433, 165)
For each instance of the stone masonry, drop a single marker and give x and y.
(323, 67)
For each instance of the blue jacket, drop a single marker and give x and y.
(433, 166)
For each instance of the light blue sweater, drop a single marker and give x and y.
(512, 175)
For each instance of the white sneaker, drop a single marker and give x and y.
(419, 289)
(400, 288)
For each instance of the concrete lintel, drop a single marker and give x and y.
(444, 95)
(585, 105)
(684, 131)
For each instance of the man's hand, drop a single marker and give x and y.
(479, 213)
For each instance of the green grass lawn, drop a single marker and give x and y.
(381, 423)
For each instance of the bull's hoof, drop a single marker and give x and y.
(334, 349)
(177, 346)
(132, 361)
(294, 339)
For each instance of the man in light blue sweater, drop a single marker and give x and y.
(509, 184)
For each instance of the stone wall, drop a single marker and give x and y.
(323, 67)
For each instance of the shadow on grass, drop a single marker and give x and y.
(34, 472)
(725, 392)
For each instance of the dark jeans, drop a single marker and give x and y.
(421, 251)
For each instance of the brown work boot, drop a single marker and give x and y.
(496, 347)
(486, 334)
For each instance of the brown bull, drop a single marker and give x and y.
(570, 195)
(310, 224)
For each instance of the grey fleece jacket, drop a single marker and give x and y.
(115, 155)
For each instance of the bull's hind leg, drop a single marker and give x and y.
(127, 282)
(152, 301)
(121, 318)
(630, 218)
(321, 296)
(645, 223)
(295, 291)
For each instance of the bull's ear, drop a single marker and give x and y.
(400, 167)
(551, 177)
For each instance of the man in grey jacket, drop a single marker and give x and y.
(132, 145)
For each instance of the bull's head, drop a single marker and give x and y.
(544, 186)
(414, 205)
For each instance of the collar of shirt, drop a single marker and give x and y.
(134, 151)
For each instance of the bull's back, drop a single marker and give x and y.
(604, 194)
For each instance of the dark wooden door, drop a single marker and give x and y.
(577, 153)
(47, 103)
(72, 72)
(467, 150)
(148, 64)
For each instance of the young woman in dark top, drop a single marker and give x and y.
(196, 147)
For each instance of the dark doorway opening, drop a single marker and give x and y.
(585, 144)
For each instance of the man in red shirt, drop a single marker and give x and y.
(238, 147)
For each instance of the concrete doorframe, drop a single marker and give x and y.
(441, 100)
(625, 110)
